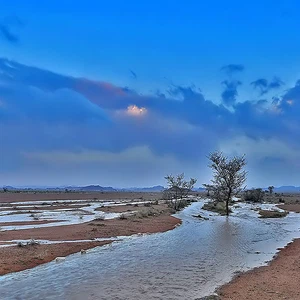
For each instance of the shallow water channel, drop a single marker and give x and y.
(188, 262)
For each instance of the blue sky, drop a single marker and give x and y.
(93, 90)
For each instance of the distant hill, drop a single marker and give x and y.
(287, 189)
(91, 188)
(157, 188)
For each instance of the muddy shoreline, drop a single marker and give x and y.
(278, 280)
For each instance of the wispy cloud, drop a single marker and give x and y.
(233, 68)
(133, 74)
(8, 28)
(264, 86)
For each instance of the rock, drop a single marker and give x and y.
(83, 251)
(60, 258)
(200, 217)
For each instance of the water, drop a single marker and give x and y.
(186, 263)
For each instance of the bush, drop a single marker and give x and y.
(217, 207)
(123, 217)
(272, 214)
(255, 195)
(178, 204)
(100, 218)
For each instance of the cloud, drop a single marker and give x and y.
(232, 68)
(264, 86)
(7, 29)
(133, 74)
(50, 115)
(230, 92)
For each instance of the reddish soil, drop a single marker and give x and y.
(21, 223)
(128, 208)
(46, 207)
(31, 196)
(94, 229)
(279, 280)
(118, 208)
(290, 207)
(14, 259)
(19, 258)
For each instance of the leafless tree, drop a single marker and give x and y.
(178, 186)
(229, 177)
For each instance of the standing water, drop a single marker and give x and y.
(188, 262)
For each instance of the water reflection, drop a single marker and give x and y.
(185, 263)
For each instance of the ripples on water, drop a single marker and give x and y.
(186, 263)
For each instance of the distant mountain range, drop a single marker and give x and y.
(99, 188)
(287, 189)
(88, 188)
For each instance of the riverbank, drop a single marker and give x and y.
(279, 280)
(147, 219)
(15, 259)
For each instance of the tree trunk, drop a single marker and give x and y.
(227, 203)
(227, 207)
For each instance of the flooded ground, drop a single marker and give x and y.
(55, 213)
(186, 263)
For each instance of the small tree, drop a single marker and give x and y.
(271, 189)
(178, 186)
(228, 177)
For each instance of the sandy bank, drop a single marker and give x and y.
(9, 197)
(290, 207)
(19, 258)
(29, 222)
(14, 259)
(94, 229)
(279, 280)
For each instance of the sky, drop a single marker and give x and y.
(122, 93)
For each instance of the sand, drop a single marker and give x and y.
(14, 259)
(9, 197)
(279, 280)
(290, 207)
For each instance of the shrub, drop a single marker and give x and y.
(254, 195)
(123, 217)
(272, 213)
(99, 218)
(217, 207)
(178, 204)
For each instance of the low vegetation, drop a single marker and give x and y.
(217, 207)
(254, 195)
(272, 214)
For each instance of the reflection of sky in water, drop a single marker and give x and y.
(185, 263)
(68, 216)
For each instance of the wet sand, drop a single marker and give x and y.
(279, 280)
(14, 259)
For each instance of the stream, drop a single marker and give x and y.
(188, 262)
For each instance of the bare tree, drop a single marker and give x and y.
(229, 177)
(178, 186)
